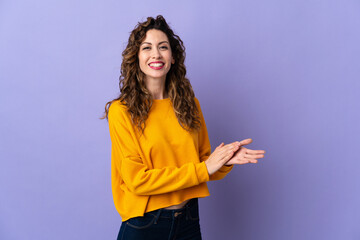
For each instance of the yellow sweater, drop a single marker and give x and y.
(163, 167)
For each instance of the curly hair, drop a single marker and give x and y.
(133, 91)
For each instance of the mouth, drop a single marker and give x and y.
(156, 65)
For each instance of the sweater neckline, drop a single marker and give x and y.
(161, 100)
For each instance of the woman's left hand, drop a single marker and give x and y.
(245, 155)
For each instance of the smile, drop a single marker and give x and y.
(156, 65)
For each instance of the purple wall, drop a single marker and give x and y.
(285, 73)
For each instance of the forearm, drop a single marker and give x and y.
(142, 181)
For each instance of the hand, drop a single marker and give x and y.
(245, 155)
(220, 156)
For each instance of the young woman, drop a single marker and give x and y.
(161, 155)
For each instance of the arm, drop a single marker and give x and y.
(205, 148)
(138, 178)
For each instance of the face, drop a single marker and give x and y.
(155, 56)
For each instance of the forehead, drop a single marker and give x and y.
(154, 36)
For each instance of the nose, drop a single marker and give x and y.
(156, 53)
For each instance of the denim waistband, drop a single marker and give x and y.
(171, 213)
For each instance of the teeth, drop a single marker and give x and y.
(156, 64)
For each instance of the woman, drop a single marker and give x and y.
(161, 155)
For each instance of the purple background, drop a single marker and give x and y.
(285, 73)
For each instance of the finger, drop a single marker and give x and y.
(245, 161)
(251, 160)
(236, 143)
(246, 141)
(249, 151)
(252, 156)
(232, 146)
(218, 148)
(248, 160)
(226, 152)
(226, 155)
(221, 144)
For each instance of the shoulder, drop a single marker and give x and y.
(196, 101)
(117, 109)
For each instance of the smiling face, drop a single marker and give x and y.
(155, 56)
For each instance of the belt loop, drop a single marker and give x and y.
(157, 216)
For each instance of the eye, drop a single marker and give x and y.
(164, 47)
(146, 48)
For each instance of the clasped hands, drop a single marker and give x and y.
(232, 153)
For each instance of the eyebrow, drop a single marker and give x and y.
(151, 44)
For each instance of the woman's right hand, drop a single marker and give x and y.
(221, 155)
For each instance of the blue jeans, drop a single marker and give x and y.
(164, 224)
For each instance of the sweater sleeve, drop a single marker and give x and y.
(137, 176)
(205, 148)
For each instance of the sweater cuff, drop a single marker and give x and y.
(202, 172)
(226, 168)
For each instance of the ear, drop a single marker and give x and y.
(172, 60)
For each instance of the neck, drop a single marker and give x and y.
(157, 88)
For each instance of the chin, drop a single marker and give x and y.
(158, 77)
